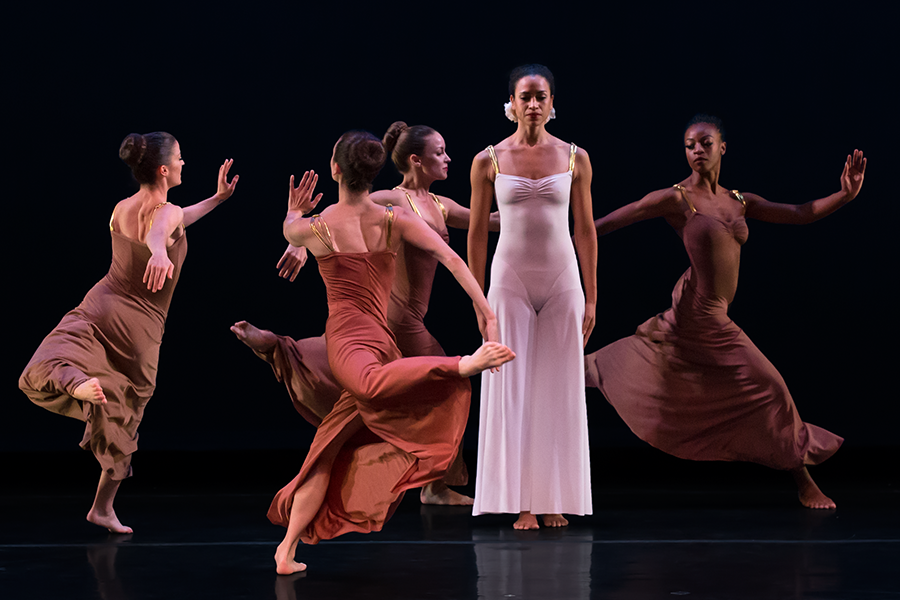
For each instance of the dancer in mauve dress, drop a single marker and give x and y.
(690, 382)
(399, 421)
(420, 154)
(533, 442)
(99, 364)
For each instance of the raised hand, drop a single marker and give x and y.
(853, 175)
(291, 262)
(225, 189)
(159, 267)
(300, 198)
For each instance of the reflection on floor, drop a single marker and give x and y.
(701, 539)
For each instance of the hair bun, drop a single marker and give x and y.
(392, 135)
(132, 149)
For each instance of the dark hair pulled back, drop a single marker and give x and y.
(360, 155)
(708, 119)
(401, 141)
(146, 153)
(527, 71)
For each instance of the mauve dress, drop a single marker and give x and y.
(302, 365)
(691, 383)
(409, 414)
(113, 335)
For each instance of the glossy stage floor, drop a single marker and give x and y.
(661, 528)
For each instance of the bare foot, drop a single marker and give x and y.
(90, 391)
(555, 521)
(490, 355)
(438, 493)
(810, 494)
(285, 564)
(261, 341)
(526, 520)
(110, 521)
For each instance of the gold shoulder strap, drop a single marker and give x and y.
(494, 160)
(111, 219)
(320, 228)
(572, 152)
(409, 199)
(389, 214)
(153, 214)
(740, 197)
(684, 194)
(441, 205)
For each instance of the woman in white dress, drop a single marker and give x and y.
(533, 442)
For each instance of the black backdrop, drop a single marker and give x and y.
(798, 91)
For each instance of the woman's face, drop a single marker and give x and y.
(532, 101)
(434, 160)
(703, 147)
(332, 163)
(173, 166)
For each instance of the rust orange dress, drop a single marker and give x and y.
(408, 414)
(302, 365)
(113, 335)
(691, 383)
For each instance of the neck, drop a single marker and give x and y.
(351, 197)
(530, 134)
(154, 193)
(416, 182)
(707, 180)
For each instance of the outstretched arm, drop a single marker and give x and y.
(661, 203)
(585, 238)
(195, 212)
(458, 216)
(415, 231)
(159, 267)
(800, 214)
(300, 202)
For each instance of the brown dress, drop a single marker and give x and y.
(113, 335)
(691, 383)
(302, 365)
(409, 414)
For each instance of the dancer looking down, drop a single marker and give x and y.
(533, 443)
(420, 154)
(689, 381)
(99, 364)
(399, 421)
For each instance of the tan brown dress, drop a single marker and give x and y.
(113, 335)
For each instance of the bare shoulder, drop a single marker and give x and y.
(385, 197)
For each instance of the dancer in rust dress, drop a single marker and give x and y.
(690, 382)
(399, 421)
(99, 364)
(420, 154)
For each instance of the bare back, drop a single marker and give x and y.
(356, 228)
(133, 217)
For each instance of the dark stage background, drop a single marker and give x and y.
(798, 91)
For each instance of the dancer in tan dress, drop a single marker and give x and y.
(99, 364)
(399, 420)
(689, 381)
(420, 154)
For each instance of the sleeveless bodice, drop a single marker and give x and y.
(358, 282)
(414, 279)
(714, 249)
(535, 217)
(126, 272)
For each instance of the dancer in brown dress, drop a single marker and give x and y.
(690, 382)
(99, 364)
(420, 154)
(399, 421)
